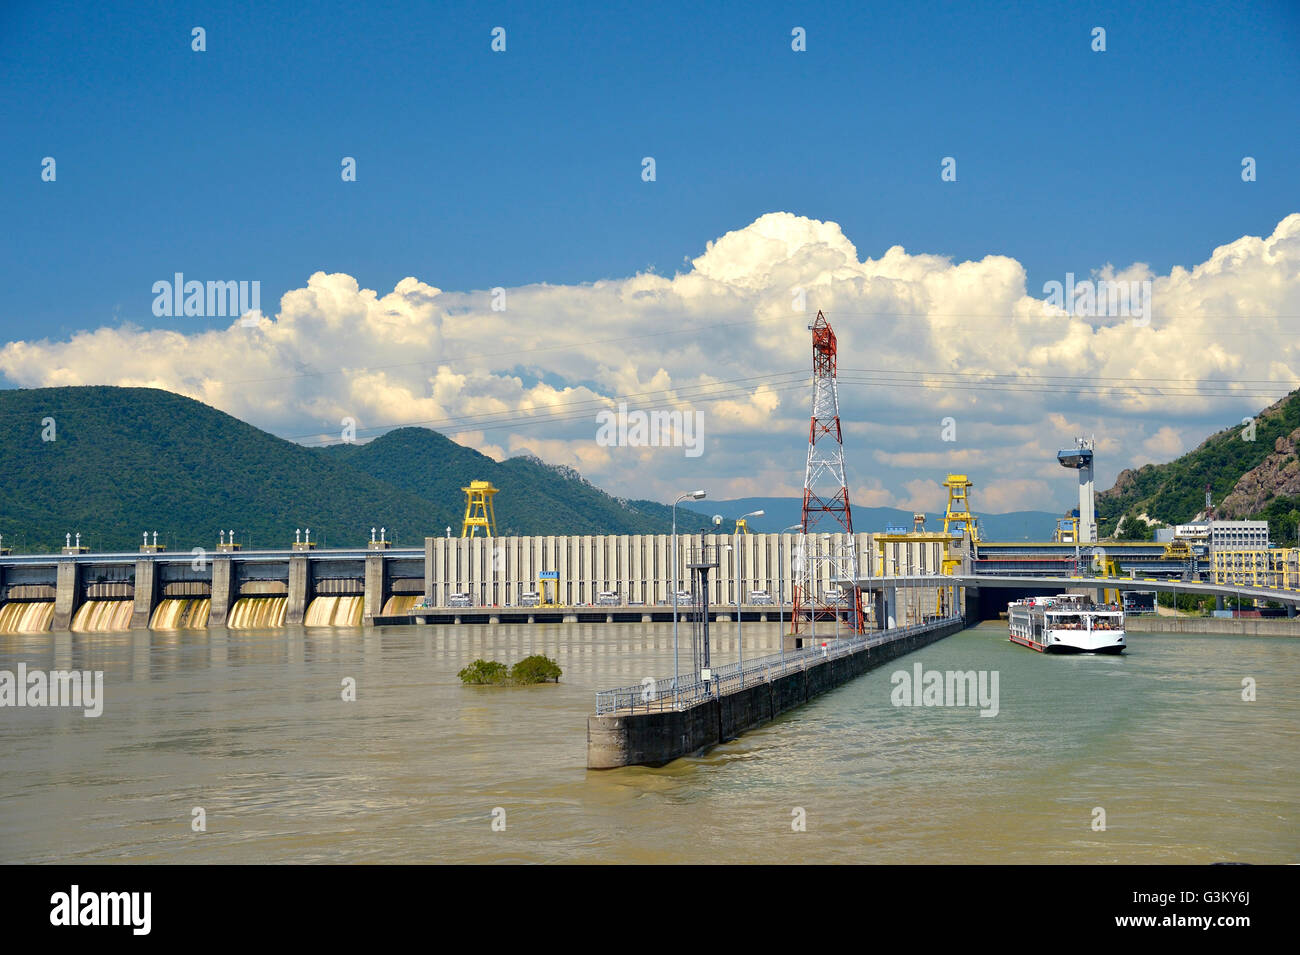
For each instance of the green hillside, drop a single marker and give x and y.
(126, 460)
(535, 498)
(1174, 493)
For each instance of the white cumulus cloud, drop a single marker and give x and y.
(922, 338)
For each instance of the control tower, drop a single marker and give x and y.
(1080, 459)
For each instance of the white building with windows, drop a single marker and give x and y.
(1224, 535)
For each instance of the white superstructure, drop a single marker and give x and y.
(1066, 623)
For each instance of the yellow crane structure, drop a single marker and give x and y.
(478, 510)
(958, 512)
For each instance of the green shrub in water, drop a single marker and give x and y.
(484, 671)
(535, 669)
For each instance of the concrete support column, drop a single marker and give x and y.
(429, 597)
(146, 593)
(377, 587)
(886, 601)
(299, 590)
(67, 595)
(219, 605)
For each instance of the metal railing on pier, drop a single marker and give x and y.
(658, 695)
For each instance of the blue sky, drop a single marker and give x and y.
(478, 169)
(523, 170)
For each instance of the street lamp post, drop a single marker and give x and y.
(780, 585)
(739, 576)
(695, 496)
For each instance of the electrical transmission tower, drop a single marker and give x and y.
(825, 494)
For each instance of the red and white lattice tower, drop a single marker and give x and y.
(825, 496)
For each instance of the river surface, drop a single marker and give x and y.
(251, 726)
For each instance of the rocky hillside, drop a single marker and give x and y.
(1252, 475)
(1277, 476)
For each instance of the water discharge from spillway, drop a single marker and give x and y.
(253, 613)
(335, 611)
(400, 603)
(181, 613)
(26, 616)
(103, 616)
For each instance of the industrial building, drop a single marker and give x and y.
(1224, 535)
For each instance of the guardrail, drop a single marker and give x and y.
(653, 695)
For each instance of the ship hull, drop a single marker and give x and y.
(1065, 648)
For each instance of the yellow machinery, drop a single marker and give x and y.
(548, 588)
(478, 509)
(1067, 529)
(958, 512)
(742, 527)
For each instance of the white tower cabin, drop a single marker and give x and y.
(1080, 459)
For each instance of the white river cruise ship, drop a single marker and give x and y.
(1066, 623)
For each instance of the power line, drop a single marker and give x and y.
(459, 425)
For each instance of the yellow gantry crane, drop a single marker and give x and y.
(478, 509)
(958, 512)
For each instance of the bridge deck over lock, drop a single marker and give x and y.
(1288, 597)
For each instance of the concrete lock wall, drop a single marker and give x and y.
(639, 567)
(652, 739)
(1245, 626)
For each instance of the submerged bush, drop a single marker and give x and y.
(535, 669)
(484, 671)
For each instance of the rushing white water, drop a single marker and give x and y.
(103, 616)
(181, 613)
(255, 613)
(26, 616)
(400, 603)
(335, 611)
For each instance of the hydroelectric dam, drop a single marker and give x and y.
(555, 579)
(542, 579)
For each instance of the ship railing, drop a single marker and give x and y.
(660, 695)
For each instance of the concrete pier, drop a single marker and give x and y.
(376, 588)
(220, 602)
(67, 594)
(146, 594)
(658, 737)
(299, 589)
